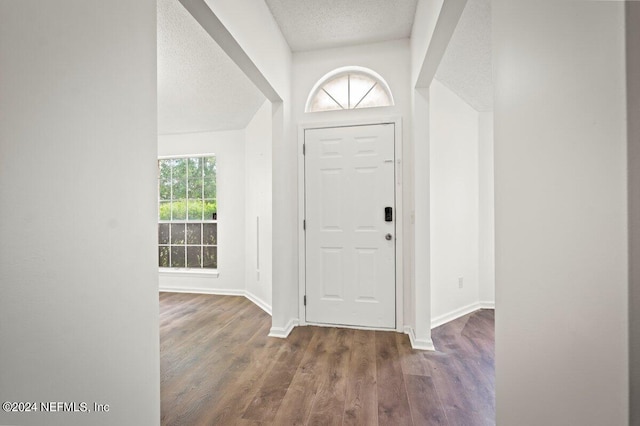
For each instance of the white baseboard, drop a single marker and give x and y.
(488, 305)
(419, 344)
(283, 332)
(450, 316)
(258, 302)
(218, 291)
(223, 292)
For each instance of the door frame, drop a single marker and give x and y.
(399, 210)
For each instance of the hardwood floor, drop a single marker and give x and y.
(218, 367)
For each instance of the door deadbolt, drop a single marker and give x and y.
(388, 237)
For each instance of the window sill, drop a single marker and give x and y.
(185, 272)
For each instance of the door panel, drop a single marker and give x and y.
(350, 266)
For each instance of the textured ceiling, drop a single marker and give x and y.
(199, 87)
(466, 65)
(313, 24)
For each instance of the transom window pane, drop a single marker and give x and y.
(187, 212)
(338, 91)
(349, 89)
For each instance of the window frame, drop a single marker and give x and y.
(340, 72)
(185, 270)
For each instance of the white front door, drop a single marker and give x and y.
(350, 241)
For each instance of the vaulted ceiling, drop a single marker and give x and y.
(201, 89)
(466, 65)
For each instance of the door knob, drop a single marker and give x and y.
(388, 237)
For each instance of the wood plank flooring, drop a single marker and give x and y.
(218, 367)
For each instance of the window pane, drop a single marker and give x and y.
(322, 102)
(164, 169)
(177, 233)
(210, 257)
(194, 233)
(210, 188)
(179, 178)
(195, 188)
(194, 257)
(163, 233)
(195, 168)
(163, 255)
(179, 210)
(210, 233)
(179, 168)
(164, 189)
(195, 209)
(360, 85)
(177, 257)
(210, 167)
(350, 89)
(164, 211)
(210, 208)
(179, 190)
(376, 97)
(338, 89)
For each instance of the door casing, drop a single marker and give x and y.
(399, 215)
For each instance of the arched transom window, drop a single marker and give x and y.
(349, 88)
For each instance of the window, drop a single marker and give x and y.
(349, 88)
(187, 225)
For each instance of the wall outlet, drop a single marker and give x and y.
(461, 282)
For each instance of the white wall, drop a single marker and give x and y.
(79, 303)
(258, 207)
(561, 213)
(259, 36)
(419, 302)
(454, 204)
(486, 212)
(229, 149)
(433, 27)
(392, 61)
